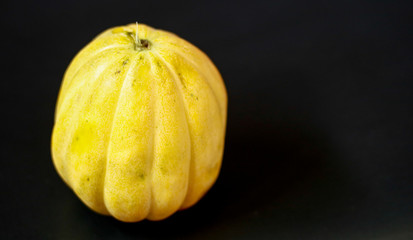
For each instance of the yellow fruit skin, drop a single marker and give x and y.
(140, 133)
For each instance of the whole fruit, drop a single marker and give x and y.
(140, 124)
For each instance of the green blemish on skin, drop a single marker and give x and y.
(83, 139)
(130, 34)
(117, 30)
(141, 176)
(117, 72)
(164, 171)
(125, 62)
(192, 95)
(182, 80)
(133, 82)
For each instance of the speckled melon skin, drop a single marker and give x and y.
(139, 133)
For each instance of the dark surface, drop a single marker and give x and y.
(320, 123)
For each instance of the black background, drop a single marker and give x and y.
(320, 121)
